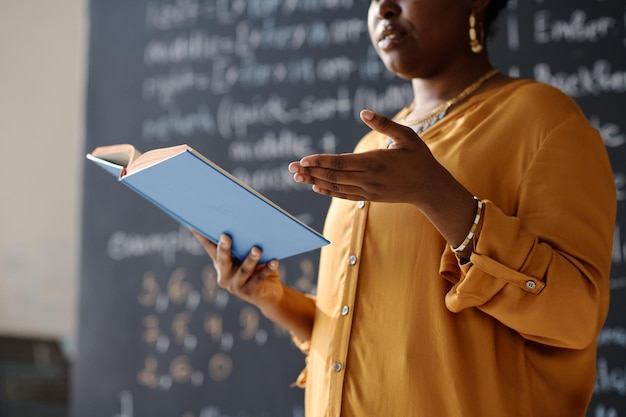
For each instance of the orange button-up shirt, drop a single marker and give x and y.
(403, 329)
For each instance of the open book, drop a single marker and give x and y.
(202, 196)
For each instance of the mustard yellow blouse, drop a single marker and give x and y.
(402, 329)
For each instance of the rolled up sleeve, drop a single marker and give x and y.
(544, 270)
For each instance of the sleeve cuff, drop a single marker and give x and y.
(500, 258)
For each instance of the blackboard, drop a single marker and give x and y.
(580, 47)
(255, 84)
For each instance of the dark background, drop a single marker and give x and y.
(255, 84)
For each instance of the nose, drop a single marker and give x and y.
(387, 9)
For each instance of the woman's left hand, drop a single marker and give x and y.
(405, 172)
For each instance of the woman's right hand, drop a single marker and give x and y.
(257, 284)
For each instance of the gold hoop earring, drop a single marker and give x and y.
(476, 36)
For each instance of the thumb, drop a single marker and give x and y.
(399, 135)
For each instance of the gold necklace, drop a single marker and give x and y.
(439, 112)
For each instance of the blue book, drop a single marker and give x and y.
(204, 197)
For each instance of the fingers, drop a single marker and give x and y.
(401, 135)
(344, 169)
(269, 269)
(331, 176)
(244, 277)
(363, 182)
(336, 162)
(336, 188)
(231, 275)
(209, 246)
(223, 258)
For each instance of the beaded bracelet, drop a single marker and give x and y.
(470, 235)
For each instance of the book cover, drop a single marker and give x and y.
(202, 196)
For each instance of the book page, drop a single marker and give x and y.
(122, 154)
(151, 157)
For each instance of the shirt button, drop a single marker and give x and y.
(337, 367)
(345, 310)
(361, 204)
(531, 285)
(353, 260)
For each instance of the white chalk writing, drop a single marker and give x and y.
(170, 16)
(199, 45)
(595, 80)
(610, 132)
(122, 245)
(235, 118)
(175, 123)
(284, 144)
(392, 98)
(579, 28)
(619, 247)
(610, 379)
(612, 336)
(165, 88)
(603, 410)
(620, 185)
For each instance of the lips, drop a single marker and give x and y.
(389, 36)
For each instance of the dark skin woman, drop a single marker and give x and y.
(467, 273)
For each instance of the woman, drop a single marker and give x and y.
(469, 263)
